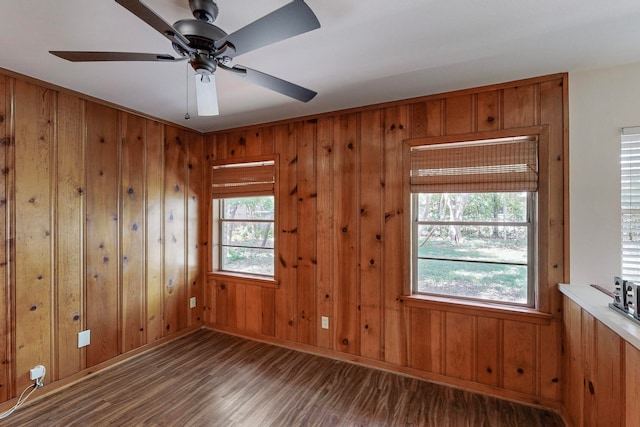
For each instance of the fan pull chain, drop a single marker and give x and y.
(186, 115)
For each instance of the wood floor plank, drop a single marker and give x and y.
(212, 379)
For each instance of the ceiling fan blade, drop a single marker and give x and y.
(278, 85)
(207, 95)
(150, 17)
(288, 21)
(112, 56)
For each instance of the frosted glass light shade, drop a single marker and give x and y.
(206, 95)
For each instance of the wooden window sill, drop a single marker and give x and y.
(486, 309)
(243, 279)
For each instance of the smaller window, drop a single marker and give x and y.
(243, 217)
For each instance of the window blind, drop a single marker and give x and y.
(479, 166)
(243, 179)
(630, 202)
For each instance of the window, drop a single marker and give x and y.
(244, 217)
(630, 202)
(473, 210)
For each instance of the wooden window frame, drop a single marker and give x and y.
(214, 224)
(541, 241)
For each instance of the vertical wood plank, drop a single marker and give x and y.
(573, 367)
(488, 111)
(269, 312)
(519, 352)
(267, 140)
(253, 142)
(609, 388)
(489, 346)
(221, 147)
(370, 240)
(70, 233)
(34, 142)
(154, 230)
(222, 303)
(552, 98)
(435, 117)
(425, 337)
(210, 301)
(324, 230)
(395, 131)
(235, 305)
(459, 114)
(6, 164)
(519, 106)
(102, 294)
(253, 298)
(175, 183)
(286, 246)
(589, 353)
(195, 224)
(306, 236)
(419, 120)
(460, 345)
(132, 205)
(210, 144)
(346, 194)
(632, 383)
(236, 145)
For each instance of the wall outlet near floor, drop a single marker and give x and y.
(192, 302)
(325, 322)
(84, 338)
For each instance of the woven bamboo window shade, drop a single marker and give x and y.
(243, 179)
(476, 167)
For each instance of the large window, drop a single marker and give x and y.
(244, 217)
(630, 202)
(473, 208)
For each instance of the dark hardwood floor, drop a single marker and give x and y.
(213, 379)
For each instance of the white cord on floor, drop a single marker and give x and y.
(36, 385)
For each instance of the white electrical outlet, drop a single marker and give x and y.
(325, 322)
(192, 302)
(36, 372)
(84, 338)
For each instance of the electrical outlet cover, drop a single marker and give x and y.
(84, 338)
(192, 302)
(325, 322)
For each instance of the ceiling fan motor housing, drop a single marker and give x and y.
(204, 10)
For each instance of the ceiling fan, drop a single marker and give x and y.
(207, 47)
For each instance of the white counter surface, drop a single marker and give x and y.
(596, 303)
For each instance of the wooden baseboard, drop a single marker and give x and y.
(471, 386)
(59, 385)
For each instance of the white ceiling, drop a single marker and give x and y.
(367, 51)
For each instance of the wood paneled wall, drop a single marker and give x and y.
(602, 372)
(100, 212)
(341, 242)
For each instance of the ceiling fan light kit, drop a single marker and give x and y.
(207, 47)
